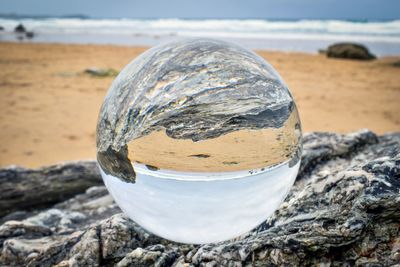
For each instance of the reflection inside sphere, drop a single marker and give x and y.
(198, 140)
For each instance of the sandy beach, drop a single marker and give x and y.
(49, 106)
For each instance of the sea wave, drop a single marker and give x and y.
(382, 37)
(181, 26)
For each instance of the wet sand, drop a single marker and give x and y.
(49, 106)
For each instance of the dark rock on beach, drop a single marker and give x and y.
(344, 210)
(1, 28)
(20, 28)
(349, 51)
(99, 72)
(30, 35)
(396, 64)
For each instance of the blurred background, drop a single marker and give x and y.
(58, 60)
(288, 25)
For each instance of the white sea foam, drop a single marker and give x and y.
(388, 28)
(253, 33)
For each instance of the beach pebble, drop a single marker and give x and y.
(99, 72)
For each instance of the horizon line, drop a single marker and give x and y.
(84, 16)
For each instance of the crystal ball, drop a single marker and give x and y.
(198, 140)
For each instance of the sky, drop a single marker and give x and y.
(272, 9)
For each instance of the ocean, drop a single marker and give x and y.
(381, 37)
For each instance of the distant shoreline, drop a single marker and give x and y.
(381, 49)
(145, 47)
(381, 37)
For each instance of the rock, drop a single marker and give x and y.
(156, 255)
(334, 145)
(28, 189)
(396, 64)
(98, 72)
(349, 51)
(20, 28)
(344, 210)
(30, 35)
(1, 28)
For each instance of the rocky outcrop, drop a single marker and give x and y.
(349, 51)
(344, 210)
(20, 28)
(28, 189)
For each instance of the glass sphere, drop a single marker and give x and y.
(198, 140)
